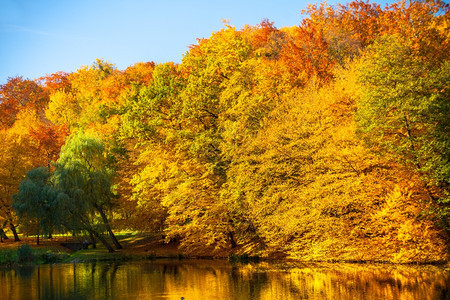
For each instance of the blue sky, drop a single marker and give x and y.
(39, 37)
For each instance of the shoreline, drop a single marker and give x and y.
(149, 248)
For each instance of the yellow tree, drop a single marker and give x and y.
(63, 109)
(16, 158)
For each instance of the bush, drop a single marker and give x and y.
(8, 257)
(49, 257)
(24, 254)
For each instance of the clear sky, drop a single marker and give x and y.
(39, 37)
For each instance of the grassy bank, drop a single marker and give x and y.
(136, 246)
(25, 254)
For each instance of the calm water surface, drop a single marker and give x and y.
(194, 279)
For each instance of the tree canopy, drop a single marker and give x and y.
(327, 140)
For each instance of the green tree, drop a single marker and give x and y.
(36, 201)
(82, 173)
(404, 112)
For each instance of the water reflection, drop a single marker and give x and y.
(220, 280)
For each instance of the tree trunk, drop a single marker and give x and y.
(232, 239)
(93, 241)
(108, 228)
(13, 229)
(93, 232)
(101, 239)
(3, 234)
(37, 235)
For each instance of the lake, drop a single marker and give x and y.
(210, 279)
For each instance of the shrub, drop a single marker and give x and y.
(49, 257)
(24, 254)
(8, 257)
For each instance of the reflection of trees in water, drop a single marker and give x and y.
(248, 285)
(354, 282)
(95, 279)
(75, 281)
(206, 280)
(25, 271)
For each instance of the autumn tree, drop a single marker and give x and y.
(55, 82)
(326, 140)
(306, 54)
(14, 163)
(404, 112)
(48, 140)
(17, 94)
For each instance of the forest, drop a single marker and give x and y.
(328, 140)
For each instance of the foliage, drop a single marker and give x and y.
(403, 112)
(8, 257)
(37, 201)
(16, 158)
(24, 254)
(18, 94)
(83, 176)
(82, 169)
(323, 141)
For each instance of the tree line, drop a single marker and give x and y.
(325, 140)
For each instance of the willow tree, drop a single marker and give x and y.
(82, 173)
(37, 202)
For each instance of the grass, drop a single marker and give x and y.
(91, 255)
(136, 247)
(24, 254)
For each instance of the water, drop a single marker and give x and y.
(194, 279)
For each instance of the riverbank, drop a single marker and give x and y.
(26, 250)
(136, 246)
